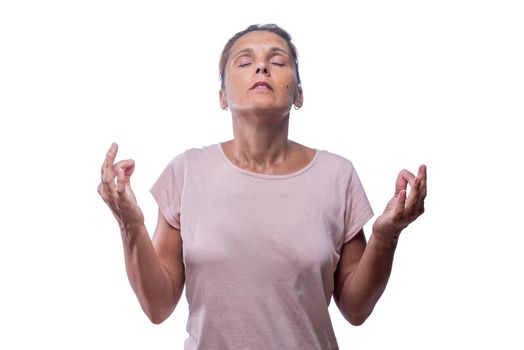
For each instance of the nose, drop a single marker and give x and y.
(262, 69)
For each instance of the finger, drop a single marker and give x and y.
(130, 168)
(409, 177)
(120, 181)
(104, 163)
(414, 198)
(422, 170)
(419, 209)
(107, 169)
(126, 164)
(415, 202)
(108, 174)
(400, 184)
(104, 194)
(400, 204)
(404, 177)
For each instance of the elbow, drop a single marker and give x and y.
(160, 310)
(157, 317)
(354, 316)
(358, 319)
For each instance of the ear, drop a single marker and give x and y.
(299, 96)
(222, 99)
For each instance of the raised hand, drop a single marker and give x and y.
(119, 196)
(401, 211)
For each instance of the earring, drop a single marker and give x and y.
(224, 108)
(296, 108)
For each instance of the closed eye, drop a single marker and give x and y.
(278, 64)
(244, 64)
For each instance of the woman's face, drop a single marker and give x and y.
(260, 75)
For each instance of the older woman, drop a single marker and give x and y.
(260, 229)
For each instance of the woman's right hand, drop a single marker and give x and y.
(119, 196)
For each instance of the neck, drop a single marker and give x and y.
(260, 139)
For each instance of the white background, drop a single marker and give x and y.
(388, 85)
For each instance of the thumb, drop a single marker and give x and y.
(128, 165)
(401, 202)
(129, 168)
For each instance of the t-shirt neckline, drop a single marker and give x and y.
(267, 176)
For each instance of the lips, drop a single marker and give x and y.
(262, 83)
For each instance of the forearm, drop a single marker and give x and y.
(149, 280)
(364, 286)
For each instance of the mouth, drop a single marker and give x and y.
(262, 85)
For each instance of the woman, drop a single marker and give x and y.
(261, 230)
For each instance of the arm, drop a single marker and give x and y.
(154, 267)
(362, 276)
(364, 269)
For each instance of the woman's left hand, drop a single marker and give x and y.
(400, 212)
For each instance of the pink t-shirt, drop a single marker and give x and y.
(260, 251)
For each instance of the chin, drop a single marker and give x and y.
(262, 108)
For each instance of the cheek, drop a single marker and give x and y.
(288, 82)
(289, 88)
(235, 82)
(231, 86)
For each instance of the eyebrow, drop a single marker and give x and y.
(250, 50)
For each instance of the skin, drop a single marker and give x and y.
(261, 116)
(260, 124)
(154, 267)
(364, 269)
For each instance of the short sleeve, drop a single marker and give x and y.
(167, 190)
(358, 210)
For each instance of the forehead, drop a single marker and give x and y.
(259, 40)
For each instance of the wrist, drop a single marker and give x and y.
(131, 229)
(385, 241)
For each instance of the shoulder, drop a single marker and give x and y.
(191, 153)
(330, 159)
(177, 162)
(201, 156)
(195, 159)
(336, 162)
